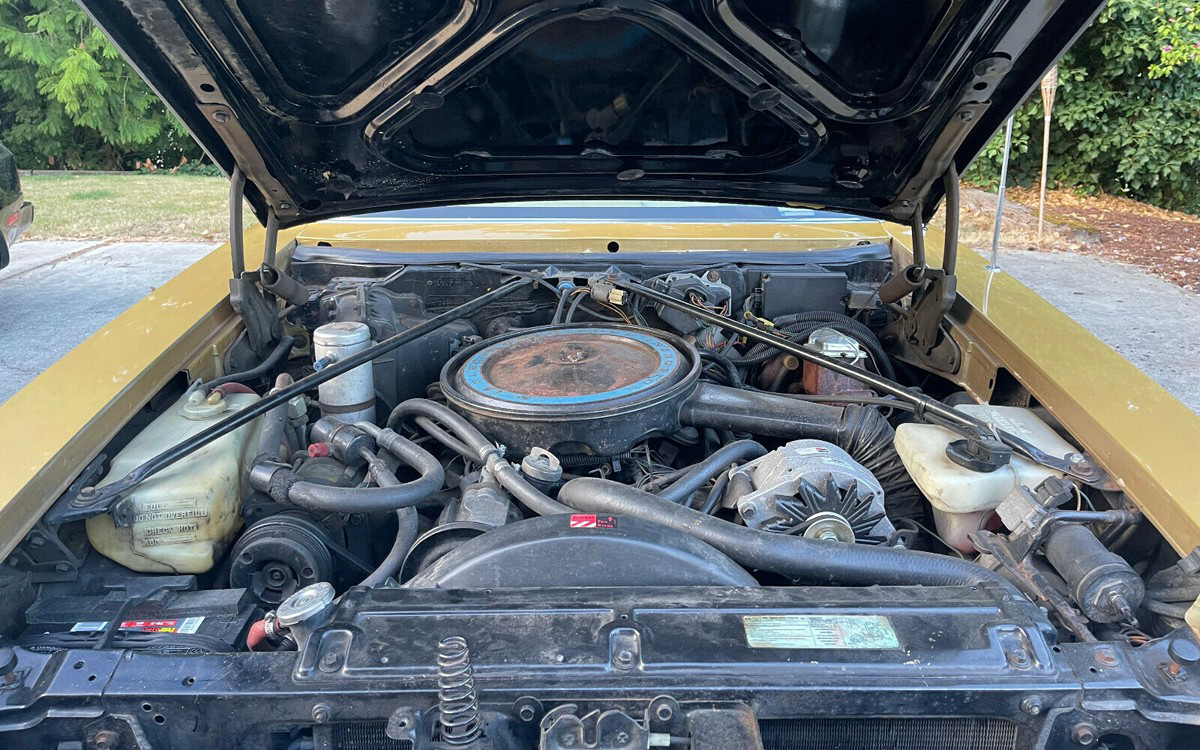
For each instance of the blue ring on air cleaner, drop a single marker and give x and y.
(668, 361)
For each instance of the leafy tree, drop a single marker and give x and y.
(68, 99)
(1127, 115)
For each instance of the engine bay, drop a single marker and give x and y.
(704, 447)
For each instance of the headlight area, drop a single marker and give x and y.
(574, 505)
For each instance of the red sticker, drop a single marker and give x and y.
(592, 521)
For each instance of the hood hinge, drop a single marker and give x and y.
(258, 311)
(919, 333)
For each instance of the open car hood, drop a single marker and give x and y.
(345, 106)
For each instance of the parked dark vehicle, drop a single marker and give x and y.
(18, 212)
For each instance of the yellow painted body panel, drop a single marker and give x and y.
(62, 419)
(588, 237)
(1135, 428)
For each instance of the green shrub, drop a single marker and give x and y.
(1127, 115)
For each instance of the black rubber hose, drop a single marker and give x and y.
(810, 560)
(281, 350)
(700, 474)
(407, 524)
(443, 437)
(714, 495)
(861, 431)
(481, 451)
(274, 424)
(282, 286)
(731, 371)
(391, 494)
(406, 534)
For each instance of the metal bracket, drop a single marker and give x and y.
(563, 729)
(1029, 578)
(1075, 465)
(46, 557)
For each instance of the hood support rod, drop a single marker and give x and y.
(93, 501)
(237, 248)
(923, 405)
(981, 441)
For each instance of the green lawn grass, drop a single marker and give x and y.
(133, 206)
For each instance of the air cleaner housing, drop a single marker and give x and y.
(573, 389)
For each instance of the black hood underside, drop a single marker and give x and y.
(342, 106)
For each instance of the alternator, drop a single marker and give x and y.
(813, 488)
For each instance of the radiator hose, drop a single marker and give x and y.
(797, 557)
(810, 560)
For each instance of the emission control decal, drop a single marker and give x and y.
(820, 631)
(592, 521)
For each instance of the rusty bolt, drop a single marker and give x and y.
(1016, 658)
(1083, 734)
(106, 739)
(714, 275)
(321, 713)
(1183, 652)
(1106, 656)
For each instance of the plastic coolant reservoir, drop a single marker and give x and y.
(183, 517)
(963, 499)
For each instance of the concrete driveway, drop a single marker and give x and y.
(55, 294)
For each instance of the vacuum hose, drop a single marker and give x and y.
(480, 450)
(811, 560)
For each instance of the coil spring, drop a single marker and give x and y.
(458, 702)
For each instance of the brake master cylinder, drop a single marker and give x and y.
(964, 499)
(181, 519)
